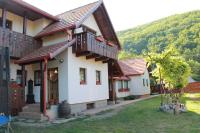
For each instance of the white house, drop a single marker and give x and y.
(69, 57)
(135, 80)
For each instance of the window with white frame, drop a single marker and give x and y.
(98, 77)
(125, 84)
(82, 73)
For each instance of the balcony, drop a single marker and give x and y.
(19, 44)
(88, 45)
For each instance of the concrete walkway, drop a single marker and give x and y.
(114, 106)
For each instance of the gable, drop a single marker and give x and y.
(75, 18)
(91, 23)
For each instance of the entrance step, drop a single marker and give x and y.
(30, 115)
(32, 108)
(31, 111)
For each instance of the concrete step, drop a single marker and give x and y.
(31, 108)
(31, 115)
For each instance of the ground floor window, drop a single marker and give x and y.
(143, 82)
(120, 84)
(98, 77)
(82, 75)
(125, 84)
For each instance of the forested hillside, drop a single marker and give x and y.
(181, 30)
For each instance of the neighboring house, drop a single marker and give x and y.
(135, 80)
(71, 56)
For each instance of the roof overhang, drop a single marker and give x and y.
(22, 8)
(46, 52)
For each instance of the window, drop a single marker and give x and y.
(98, 77)
(120, 84)
(37, 78)
(19, 77)
(143, 82)
(82, 76)
(147, 82)
(8, 23)
(125, 84)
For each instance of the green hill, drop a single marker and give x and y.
(181, 30)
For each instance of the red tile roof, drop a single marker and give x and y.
(132, 67)
(35, 9)
(193, 87)
(70, 19)
(48, 52)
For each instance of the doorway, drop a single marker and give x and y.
(53, 95)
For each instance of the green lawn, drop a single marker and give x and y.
(142, 117)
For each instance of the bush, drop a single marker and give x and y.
(130, 97)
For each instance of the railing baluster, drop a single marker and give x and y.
(86, 42)
(18, 43)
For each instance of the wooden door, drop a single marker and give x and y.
(4, 80)
(53, 86)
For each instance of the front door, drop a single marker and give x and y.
(53, 86)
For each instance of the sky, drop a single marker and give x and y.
(124, 14)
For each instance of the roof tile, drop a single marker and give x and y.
(132, 67)
(45, 52)
(68, 19)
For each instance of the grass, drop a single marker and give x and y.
(142, 117)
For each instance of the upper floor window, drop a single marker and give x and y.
(98, 77)
(37, 78)
(82, 76)
(8, 24)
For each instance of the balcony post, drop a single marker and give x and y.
(4, 14)
(24, 24)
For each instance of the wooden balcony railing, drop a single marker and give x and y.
(87, 42)
(18, 43)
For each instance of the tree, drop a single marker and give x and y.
(171, 69)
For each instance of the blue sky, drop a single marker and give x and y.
(125, 14)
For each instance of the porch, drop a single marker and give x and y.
(43, 74)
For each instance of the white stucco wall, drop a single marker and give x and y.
(33, 27)
(136, 84)
(55, 38)
(91, 23)
(90, 92)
